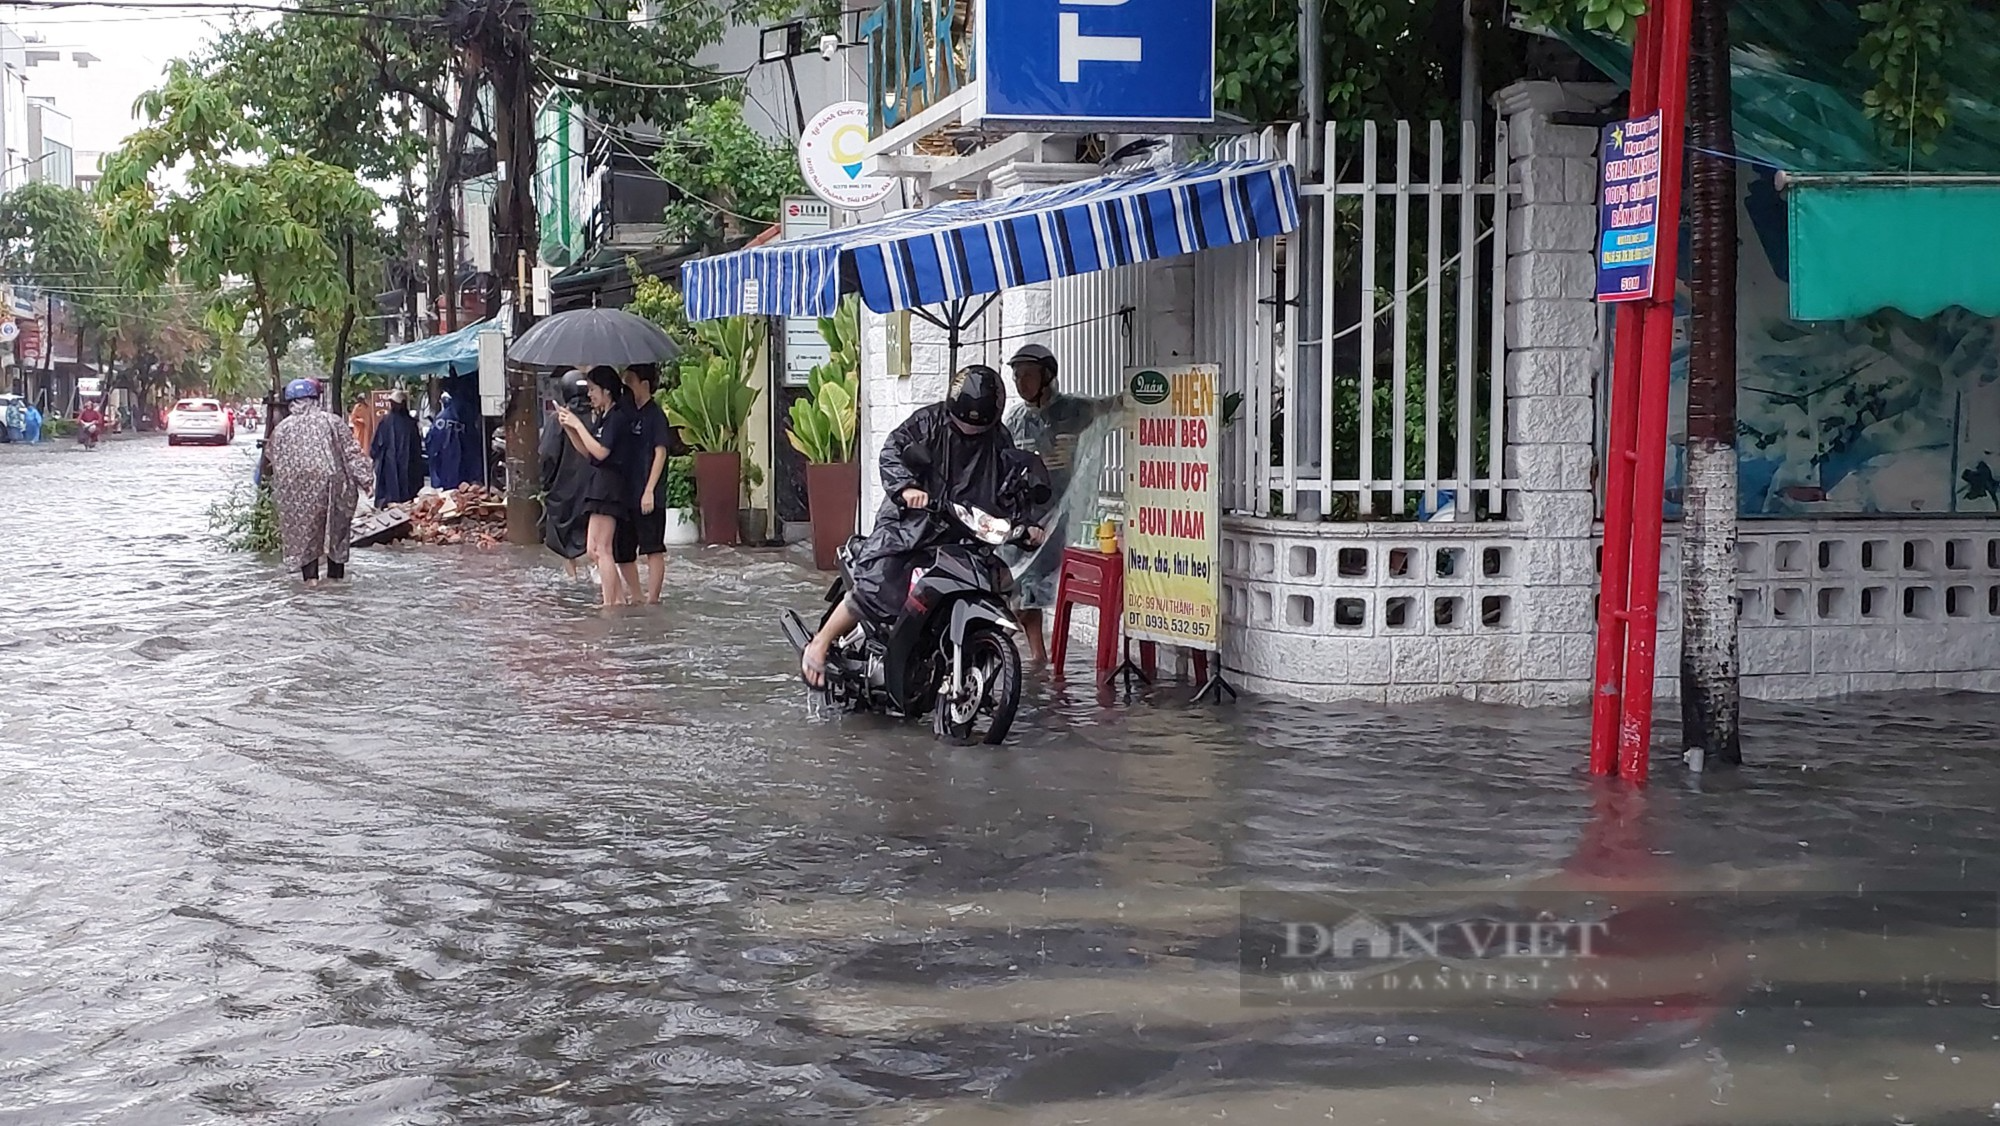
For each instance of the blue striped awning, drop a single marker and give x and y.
(970, 247)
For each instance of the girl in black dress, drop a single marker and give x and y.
(611, 445)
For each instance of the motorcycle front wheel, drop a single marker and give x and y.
(983, 710)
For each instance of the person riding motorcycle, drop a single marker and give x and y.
(953, 451)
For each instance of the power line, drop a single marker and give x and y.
(195, 6)
(608, 80)
(691, 195)
(627, 21)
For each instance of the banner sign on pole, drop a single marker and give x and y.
(1097, 60)
(29, 344)
(1629, 212)
(1173, 513)
(805, 348)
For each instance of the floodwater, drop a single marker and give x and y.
(447, 845)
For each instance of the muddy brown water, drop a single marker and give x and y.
(448, 845)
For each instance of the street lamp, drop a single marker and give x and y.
(782, 42)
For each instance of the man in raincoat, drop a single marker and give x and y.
(954, 451)
(396, 452)
(455, 446)
(317, 472)
(566, 475)
(1051, 425)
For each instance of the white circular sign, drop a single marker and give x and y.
(8, 331)
(830, 157)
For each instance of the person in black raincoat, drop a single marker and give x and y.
(398, 454)
(954, 451)
(566, 474)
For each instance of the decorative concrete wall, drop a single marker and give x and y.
(1499, 611)
(1834, 606)
(1506, 611)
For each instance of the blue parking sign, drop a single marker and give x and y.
(1098, 60)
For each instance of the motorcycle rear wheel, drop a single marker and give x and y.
(993, 690)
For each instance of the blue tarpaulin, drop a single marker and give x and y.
(438, 356)
(971, 247)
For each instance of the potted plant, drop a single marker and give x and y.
(823, 429)
(709, 406)
(682, 528)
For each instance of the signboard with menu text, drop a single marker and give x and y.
(1173, 513)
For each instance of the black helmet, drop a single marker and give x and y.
(1037, 354)
(575, 387)
(977, 396)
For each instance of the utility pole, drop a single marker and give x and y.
(497, 38)
(434, 193)
(510, 68)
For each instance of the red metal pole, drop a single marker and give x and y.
(1614, 567)
(1656, 377)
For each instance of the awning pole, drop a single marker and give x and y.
(957, 322)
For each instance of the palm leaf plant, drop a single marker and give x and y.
(824, 423)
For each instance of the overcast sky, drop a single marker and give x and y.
(134, 48)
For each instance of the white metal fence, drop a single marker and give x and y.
(1396, 338)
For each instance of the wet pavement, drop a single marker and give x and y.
(449, 845)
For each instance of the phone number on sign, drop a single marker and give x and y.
(1178, 626)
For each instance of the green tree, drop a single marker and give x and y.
(731, 178)
(161, 345)
(247, 211)
(52, 237)
(662, 304)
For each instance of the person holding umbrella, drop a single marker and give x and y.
(612, 446)
(603, 341)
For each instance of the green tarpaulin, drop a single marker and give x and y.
(1921, 248)
(440, 356)
(1798, 88)
(1856, 248)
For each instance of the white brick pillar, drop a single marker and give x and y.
(1027, 312)
(1554, 356)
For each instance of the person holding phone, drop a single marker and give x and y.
(612, 446)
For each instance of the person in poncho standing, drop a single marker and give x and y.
(398, 453)
(317, 473)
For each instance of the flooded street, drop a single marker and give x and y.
(447, 845)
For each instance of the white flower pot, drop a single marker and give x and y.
(682, 528)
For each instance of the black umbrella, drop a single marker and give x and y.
(585, 338)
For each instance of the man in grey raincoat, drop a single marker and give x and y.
(317, 472)
(1050, 424)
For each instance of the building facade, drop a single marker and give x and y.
(1411, 488)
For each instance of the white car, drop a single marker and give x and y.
(200, 420)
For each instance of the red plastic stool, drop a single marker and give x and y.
(1089, 578)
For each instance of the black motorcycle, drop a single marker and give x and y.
(952, 651)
